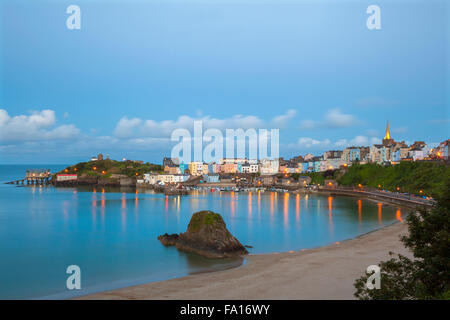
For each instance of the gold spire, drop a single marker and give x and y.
(387, 136)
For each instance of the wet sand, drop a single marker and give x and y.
(323, 273)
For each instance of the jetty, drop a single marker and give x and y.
(34, 177)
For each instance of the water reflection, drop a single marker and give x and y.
(286, 209)
(250, 205)
(271, 204)
(359, 210)
(380, 217)
(167, 203)
(330, 207)
(398, 215)
(136, 201)
(198, 263)
(259, 204)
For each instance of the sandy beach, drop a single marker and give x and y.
(323, 273)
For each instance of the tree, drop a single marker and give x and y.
(427, 276)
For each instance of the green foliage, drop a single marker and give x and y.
(204, 218)
(317, 177)
(109, 167)
(410, 177)
(427, 276)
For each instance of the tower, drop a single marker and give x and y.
(387, 136)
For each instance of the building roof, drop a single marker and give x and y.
(387, 135)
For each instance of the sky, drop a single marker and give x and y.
(137, 70)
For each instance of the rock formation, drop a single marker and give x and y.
(206, 235)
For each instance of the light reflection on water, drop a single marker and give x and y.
(111, 233)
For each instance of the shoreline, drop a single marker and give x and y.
(326, 272)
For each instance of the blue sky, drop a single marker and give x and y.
(138, 69)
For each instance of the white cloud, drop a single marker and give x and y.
(136, 127)
(282, 120)
(334, 118)
(126, 126)
(306, 142)
(39, 125)
(359, 141)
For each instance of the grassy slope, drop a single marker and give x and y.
(95, 168)
(410, 177)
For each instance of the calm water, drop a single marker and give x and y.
(111, 234)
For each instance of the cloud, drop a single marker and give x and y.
(282, 120)
(305, 142)
(39, 125)
(136, 127)
(334, 118)
(357, 141)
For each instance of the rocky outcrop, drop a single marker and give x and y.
(206, 235)
(169, 239)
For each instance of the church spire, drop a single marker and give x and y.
(387, 136)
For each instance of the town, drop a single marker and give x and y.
(269, 171)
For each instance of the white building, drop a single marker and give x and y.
(165, 178)
(269, 166)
